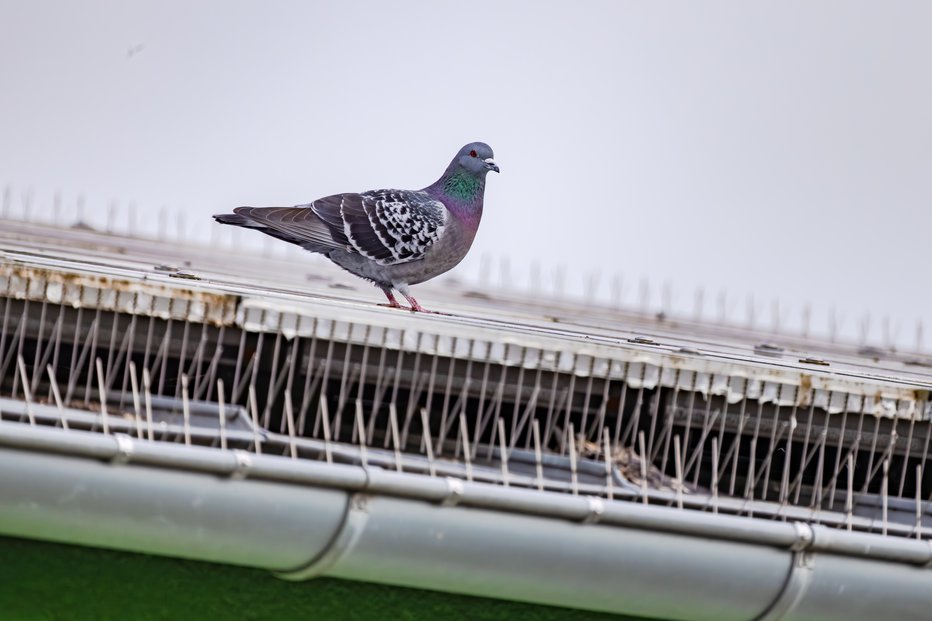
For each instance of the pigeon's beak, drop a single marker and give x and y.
(491, 165)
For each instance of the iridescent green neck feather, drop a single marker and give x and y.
(463, 186)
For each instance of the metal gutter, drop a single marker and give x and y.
(301, 518)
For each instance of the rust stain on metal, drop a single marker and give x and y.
(805, 390)
(117, 294)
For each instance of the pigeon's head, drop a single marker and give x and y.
(475, 158)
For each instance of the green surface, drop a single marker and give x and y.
(54, 582)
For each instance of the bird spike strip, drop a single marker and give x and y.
(534, 426)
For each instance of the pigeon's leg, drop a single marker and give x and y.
(392, 302)
(415, 307)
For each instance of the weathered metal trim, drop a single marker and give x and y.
(122, 295)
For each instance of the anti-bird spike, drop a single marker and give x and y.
(393, 238)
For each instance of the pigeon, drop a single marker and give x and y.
(393, 238)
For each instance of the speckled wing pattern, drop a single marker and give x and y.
(386, 226)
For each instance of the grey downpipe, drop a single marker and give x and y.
(445, 534)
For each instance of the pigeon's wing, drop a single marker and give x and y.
(386, 226)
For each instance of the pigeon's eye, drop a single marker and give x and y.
(473, 153)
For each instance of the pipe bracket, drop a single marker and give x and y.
(243, 464)
(353, 525)
(596, 509)
(125, 449)
(798, 578)
(455, 490)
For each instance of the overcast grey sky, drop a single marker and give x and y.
(782, 149)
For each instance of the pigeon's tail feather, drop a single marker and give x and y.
(237, 220)
(279, 222)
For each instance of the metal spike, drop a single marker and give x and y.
(79, 209)
(428, 443)
(587, 399)
(714, 475)
(752, 460)
(503, 450)
(617, 289)
(849, 499)
(864, 327)
(678, 461)
(797, 482)
(884, 494)
(607, 456)
(186, 410)
(734, 452)
(28, 211)
(147, 393)
(698, 304)
(325, 418)
(538, 457)
(28, 393)
(111, 216)
(644, 295)
(131, 221)
(534, 279)
(361, 426)
(666, 432)
(420, 380)
(223, 415)
(574, 475)
(642, 459)
(181, 227)
(592, 286)
(163, 222)
(559, 278)
(57, 395)
(134, 387)
(918, 502)
(102, 389)
(19, 337)
(7, 201)
(787, 458)
(504, 274)
(446, 419)
(464, 437)
(619, 415)
(485, 270)
(396, 441)
(254, 412)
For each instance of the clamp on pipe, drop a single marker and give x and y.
(798, 577)
(352, 526)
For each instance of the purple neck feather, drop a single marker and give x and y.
(461, 192)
